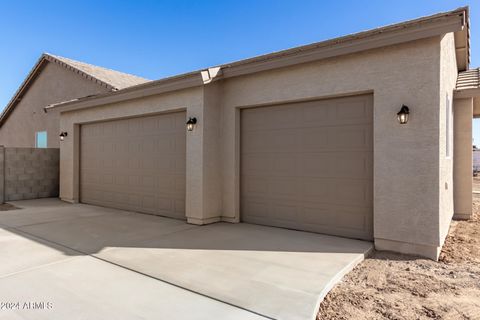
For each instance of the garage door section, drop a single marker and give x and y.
(135, 164)
(309, 166)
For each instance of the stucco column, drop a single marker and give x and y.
(203, 160)
(462, 164)
(69, 161)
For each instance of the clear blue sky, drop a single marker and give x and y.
(155, 39)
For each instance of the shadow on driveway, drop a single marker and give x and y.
(274, 272)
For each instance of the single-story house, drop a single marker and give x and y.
(24, 123)
(366, 136)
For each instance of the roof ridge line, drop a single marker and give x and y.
(87, 75)
(96, 66)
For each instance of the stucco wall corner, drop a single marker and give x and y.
(448, 76)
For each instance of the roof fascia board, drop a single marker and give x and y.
(467, 93)
(17, 97)
(452, 24)
(33, 74)
(192, 80)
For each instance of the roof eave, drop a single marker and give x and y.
(467, 93)
(348, 46)
(17, 97)
(462, 43)
(422, 28)
(34, 72)
(143, 90)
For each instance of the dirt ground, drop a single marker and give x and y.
(476, 184)
(394, 286)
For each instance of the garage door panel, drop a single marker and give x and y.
(336, 138)
(353, 109)
(256, 208)
(269, 164)
(107, 179)
(148, 202)
(165, 144)
(255, 185)
(285, 211)
(271, 141)
(352, 192)
(165, 184)
(165, 204)
(165, 164)
(180, 143)
(257, 163)
(263, 120)
(354, 137)
(135, 164)
(180, 185)
(284, 187)
(350, 165)
(319, 190)
(315, 139)
(336, 165)
(308, 166)
(336, 220)
(319, 165)
(180, 206)
(165, 125)
(326, 164)
(148, 143)
(135, 201)
(148, 182)
(120, 180)
(89, 177)
(282, 164)
(180, 166)
(312, 115)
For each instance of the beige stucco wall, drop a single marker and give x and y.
(212, 157)
(462, 171)
(406, 157)
(448, 79)
(54, 84)
(406, 166)
(190, 100)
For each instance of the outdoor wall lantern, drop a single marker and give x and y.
(191, 123)
(402, 115)
(63, 134)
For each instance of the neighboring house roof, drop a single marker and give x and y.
(469, 79)
(468, 86)
(110, 79)
(456, 21)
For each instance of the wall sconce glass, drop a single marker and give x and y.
(402, 115)
(191, 123)
(63, 135)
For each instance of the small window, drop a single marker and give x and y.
(41, 139)
(448, 127)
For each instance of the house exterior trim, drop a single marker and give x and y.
(439, 24)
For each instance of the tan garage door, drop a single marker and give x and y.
(135, 164)
(308, 166)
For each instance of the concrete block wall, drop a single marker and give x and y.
(29, 173)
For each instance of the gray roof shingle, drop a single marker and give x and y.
(117, 80)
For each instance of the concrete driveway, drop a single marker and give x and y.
(88, 262)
